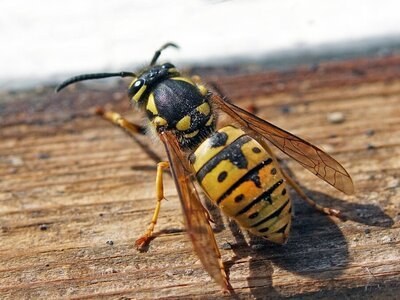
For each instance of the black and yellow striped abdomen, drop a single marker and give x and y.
(239, 175)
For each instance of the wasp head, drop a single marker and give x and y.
(148, 79)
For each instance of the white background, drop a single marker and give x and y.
(42, 40)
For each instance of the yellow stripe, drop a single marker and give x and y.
(202, 89)
(190, 135)
(183, 124)
(210, 120)
(137, 96)
(282, 221)
(205, 152)
(250, 192)
(183, 79)
(151, 105)
(158, 121)
(216, 189)
(280, 238)
(204, 109)
(278, 201)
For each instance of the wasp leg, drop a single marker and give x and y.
(146, 237)
(326, 210)
(117, 119)
(134, 129)
(131, 128)
(208, 215)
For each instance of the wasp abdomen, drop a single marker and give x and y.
(238, 175)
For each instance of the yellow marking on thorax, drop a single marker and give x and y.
(210, 120)
(158, 121)
(202, 89)
(184, 123)
(204, 109)
(151, 105)
(205, 152)
(190, 135)
(137, 96)
(183, 79)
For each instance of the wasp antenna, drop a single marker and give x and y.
(158, 52)
(92, 76)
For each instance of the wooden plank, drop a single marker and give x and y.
(75, 192)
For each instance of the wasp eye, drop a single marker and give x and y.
(167, 66)
(135, 88)
(138, 84)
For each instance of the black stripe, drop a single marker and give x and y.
(282, 230)
(233, 152)
(245, 177)
(273, 215)
(266, 196)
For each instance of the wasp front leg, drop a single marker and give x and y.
(146, 237)
(120, 121)
(134, 129)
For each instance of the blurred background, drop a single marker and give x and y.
(45, 41)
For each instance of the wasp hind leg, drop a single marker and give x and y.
(147, 236)
(326, 210)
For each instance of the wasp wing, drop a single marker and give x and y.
(309, 156)
(197, 225)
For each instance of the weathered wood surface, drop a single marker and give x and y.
(75, 192)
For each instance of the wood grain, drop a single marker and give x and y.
(75, 192)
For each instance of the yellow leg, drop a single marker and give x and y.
(117, 119)
(295, 186)
(134, 129)
(146, 237)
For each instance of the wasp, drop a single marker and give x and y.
(232, 163)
